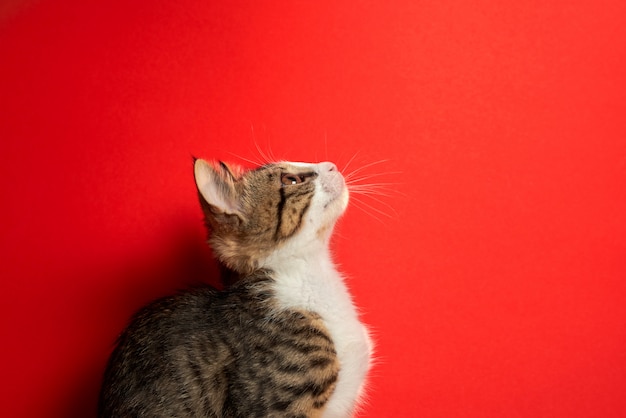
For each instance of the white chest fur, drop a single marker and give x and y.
(313, 283)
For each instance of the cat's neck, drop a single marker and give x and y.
(302, 262)
(309, 280)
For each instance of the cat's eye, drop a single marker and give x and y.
(288, 179)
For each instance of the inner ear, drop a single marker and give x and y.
(232, 171)
(217, 188)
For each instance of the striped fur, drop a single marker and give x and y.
(283, 341)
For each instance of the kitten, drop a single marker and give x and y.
(284, 340)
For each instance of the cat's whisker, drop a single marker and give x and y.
(363, 167)
(355, 203)
(373, 175)
(264, 157)
(366, 192)
(381, 189)
(382, 202)
(345, 167)
(271, 151)
(372, 207)
(367, 186)
(373, 195)
(373, 186)
(255, 163)
(366, 209)
(357, 182)
(369, 197)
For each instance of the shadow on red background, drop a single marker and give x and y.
(185, 261)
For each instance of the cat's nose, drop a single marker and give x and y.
(327, 166)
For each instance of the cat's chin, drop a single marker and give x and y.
(344, 199)
(333, 210)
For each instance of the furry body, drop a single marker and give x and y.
(283, 341)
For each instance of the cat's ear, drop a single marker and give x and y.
(217, 188)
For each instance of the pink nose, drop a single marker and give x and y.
(327, 166)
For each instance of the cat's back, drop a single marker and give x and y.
(232, 353)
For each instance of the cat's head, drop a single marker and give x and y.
(254, 214)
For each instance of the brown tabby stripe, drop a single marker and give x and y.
(279, 212)
(292, 207)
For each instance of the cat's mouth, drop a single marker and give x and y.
(334, 186)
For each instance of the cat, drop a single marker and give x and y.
(283, 340)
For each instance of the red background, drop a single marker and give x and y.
(495, 289)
